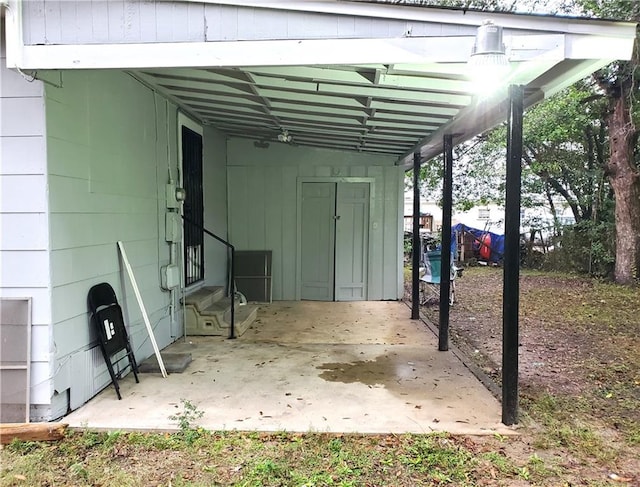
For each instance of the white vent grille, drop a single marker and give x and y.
(89, 376)
(81, 382)
(99, 372)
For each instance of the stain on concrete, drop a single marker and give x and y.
(392, 370)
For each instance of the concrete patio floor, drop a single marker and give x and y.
(310, 366)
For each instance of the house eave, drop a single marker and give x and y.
(413, 89)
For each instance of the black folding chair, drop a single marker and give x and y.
(106, 316)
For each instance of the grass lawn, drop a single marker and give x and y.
(580, 410)
(253, 459)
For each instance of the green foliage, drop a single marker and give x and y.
(484, 5)
(478, 177)
(111, 438)
(565, 149)
(266, 472)
(22, 447)
(155, 442)
(335, 445)
(587, 247)
(500, 461)
(607, 9)
(92, 438)
(79, 471)
(187, 421)
(564, 142)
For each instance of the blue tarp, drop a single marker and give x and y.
(497, 241)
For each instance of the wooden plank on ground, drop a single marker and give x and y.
(31, 432)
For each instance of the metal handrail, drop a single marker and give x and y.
(230, 272)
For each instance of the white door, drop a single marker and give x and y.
(318, 231)
(352, 241)
(335, 241)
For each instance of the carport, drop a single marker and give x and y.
(362, 367)
(355, 77)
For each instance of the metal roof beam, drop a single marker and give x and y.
(317, 118)
(325, 130)
(207, 75)
(348, 100)
(191, 95)
(292, 123)
(398, 94)
(399, 117)
(314, 73)
(412, 108)
(281, 107)
(425, 82)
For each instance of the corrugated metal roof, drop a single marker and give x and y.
(373, 108)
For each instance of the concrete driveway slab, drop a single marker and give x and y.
(307, 366)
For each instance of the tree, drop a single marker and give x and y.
(477, 179)
(486, 5)
(564, 141)
(620, 86)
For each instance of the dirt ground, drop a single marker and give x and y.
(579, 365)
(551, 350)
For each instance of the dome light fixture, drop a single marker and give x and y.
(488, 48)
(488, 64)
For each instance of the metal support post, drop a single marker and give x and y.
(511, 279)
(232, 293)
(447, 207)
(416, 248)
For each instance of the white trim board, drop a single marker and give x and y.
(185, 120)
(410, 50)
(191, 124)
(245, 53)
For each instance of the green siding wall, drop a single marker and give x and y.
(263, 185)
(112, 143)
(215, 205)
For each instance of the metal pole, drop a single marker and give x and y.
(232, 293)
(511, 278)
(416, 248)
(230, 272)
(143, 310)
(445, 255)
